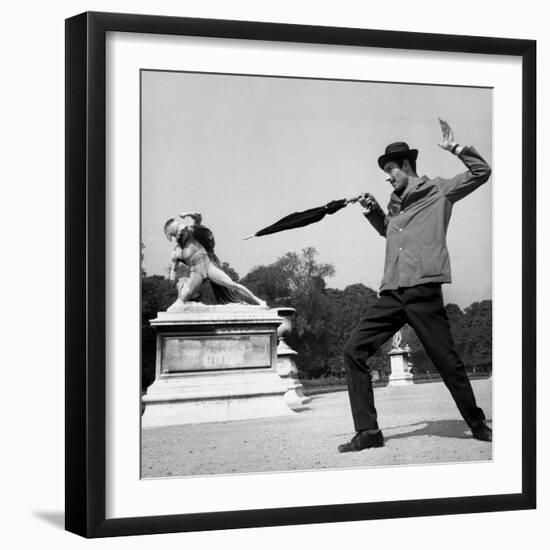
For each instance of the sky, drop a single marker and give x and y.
(247, 150)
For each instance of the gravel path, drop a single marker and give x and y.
(420, 423)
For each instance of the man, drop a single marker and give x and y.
(417, 263)
(195, 249)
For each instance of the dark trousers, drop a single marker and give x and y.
(422, 308)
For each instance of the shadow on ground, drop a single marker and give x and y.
(455, 429)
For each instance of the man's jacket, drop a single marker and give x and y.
(416, 224)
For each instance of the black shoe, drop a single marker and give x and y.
(362, 440)
(482, 432)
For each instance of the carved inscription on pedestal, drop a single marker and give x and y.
(196, 353)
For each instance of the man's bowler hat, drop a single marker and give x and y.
(397, 150)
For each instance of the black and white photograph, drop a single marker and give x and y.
(291, 286)
(316, 274)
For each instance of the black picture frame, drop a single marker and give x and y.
(86, 283)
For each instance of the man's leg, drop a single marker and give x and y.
(427, 316)
(383, 319)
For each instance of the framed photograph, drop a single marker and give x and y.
(254, 210)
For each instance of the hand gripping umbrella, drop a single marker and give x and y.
(301, 219)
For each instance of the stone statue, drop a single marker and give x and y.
(195, 248)
(396, 341)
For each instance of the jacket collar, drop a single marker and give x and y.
(412, 184)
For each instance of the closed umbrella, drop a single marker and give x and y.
(307, 217)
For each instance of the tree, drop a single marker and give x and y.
(347, 308)
(325, 317)
(422, 364)
(298, 280)
(288, 277)
(456, 320)
(157, 293)
(478, 336)
(471, 330)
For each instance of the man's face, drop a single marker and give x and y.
(396, 176)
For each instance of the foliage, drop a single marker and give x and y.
(297, 279)
(325, 318)
(157, 293)
(294, 275)
(347, 308)
(477, 343)
(472, 334)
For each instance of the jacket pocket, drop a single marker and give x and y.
(432, 259)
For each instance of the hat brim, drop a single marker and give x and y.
(411, 154)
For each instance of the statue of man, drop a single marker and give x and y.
(396, 341)
(195, 248)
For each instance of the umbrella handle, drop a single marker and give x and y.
(355, 199)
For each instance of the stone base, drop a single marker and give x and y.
(400, 375)
(214, 398)
(405, 379)
(222, 410)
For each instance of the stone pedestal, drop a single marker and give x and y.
(400, 375)
(215, 363)
(286, 363)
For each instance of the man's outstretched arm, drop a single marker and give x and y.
(478, 173)
(374, 213)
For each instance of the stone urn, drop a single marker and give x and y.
(286, 364)
(285, 328)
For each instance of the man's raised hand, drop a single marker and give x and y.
(448, 136)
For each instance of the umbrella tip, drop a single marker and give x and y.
(246, 238)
